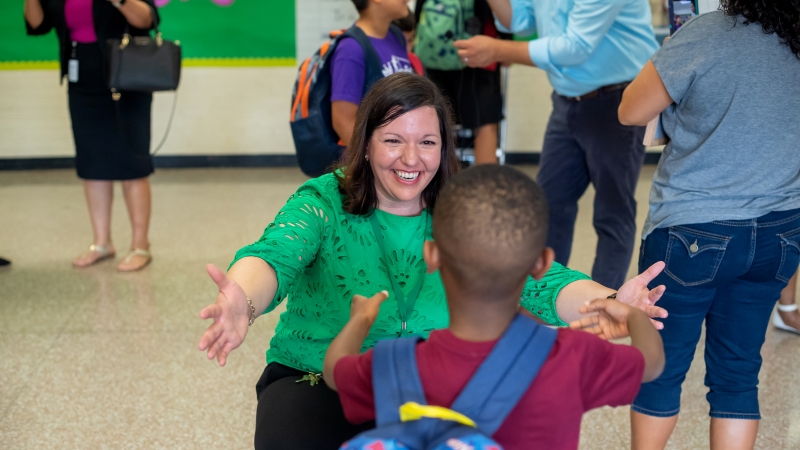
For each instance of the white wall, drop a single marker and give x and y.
(221, 111)
(708, 5)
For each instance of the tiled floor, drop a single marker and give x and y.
(93, 358)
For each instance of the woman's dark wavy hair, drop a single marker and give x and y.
(390, 98)
(781, 17)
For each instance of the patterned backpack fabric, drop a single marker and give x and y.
(315, 141)
(441, 23)
(405, 421)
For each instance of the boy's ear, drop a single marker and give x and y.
(430, 252)
(543, 264)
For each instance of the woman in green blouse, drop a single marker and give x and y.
(361, 230)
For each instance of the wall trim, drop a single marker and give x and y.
(162, 162)
(185, 62)
(199, 161)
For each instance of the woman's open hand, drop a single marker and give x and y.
(635, 293)
(231, 315)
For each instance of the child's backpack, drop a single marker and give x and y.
(405, 421)
(315, 141)
(441, 23)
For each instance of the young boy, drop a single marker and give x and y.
(489, 227)
(348, 63)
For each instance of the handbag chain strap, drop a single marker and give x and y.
(169, 124)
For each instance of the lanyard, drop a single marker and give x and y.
(404, 308)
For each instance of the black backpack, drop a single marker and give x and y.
(315, 141)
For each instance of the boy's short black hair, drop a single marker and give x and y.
(490, 224)
(407, 23)
(361, 4)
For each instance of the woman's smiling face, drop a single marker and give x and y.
(405, 155)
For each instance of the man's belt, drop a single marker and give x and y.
(596, 92)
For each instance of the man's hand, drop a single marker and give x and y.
(635, 293)
(610, 322)
(481, 51)
(477, 51)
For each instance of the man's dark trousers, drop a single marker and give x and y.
(585, 143)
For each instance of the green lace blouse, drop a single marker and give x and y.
(323, 256)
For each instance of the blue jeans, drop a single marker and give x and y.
(730, 274)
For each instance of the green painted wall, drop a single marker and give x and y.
(259, 30)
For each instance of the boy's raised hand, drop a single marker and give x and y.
(610, 320)
(367, 308)
(363, 312)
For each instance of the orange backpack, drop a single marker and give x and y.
(317, 145)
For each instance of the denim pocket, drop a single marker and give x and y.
(790, 255)
(693, 256)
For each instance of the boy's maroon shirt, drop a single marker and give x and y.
(581, 372)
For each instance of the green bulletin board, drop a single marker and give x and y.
(211, 33)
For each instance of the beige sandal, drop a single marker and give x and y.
(129, 257)
(103, 252)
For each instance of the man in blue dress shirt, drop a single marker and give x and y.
(591, 50)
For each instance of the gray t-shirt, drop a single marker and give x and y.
(734, 152)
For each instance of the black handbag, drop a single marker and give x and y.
(143, 63)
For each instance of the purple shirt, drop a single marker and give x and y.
(78, 14)
(348, 71)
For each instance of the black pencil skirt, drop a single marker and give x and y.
(475, 94)
(112, 138)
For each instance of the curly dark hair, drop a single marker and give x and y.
(388, 99)
(781, 17)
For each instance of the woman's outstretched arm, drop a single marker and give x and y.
(249, 278)
(264, 272)
(558, 297)
(634, 293)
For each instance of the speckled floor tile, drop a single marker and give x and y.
(91, 358)
(599, 430)
(20, 355)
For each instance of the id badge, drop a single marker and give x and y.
(72, 71)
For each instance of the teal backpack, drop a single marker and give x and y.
(441, 23)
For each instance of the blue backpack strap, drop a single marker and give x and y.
(395, 378)
(372, 61)
(505, 375)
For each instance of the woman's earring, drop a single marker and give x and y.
(366, 157)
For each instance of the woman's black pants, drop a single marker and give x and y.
(299, 416)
